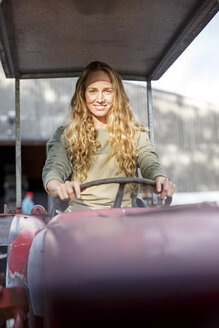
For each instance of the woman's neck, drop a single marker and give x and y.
(99, 124)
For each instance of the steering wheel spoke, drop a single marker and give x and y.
(119, 196)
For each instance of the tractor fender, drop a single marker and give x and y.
(22, 232)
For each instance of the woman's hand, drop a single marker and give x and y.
(165, 187)
(69, 190)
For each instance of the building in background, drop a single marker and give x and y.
(186, 134)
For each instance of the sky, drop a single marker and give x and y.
(195, 73)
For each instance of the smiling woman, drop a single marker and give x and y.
(100, 140)
(99, 96)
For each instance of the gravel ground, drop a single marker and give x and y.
(5, 223)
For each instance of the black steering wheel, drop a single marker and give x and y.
(119, 196)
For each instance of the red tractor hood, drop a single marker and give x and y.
(126, 265)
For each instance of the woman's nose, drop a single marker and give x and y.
(100, 97)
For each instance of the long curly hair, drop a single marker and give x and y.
(80, 132)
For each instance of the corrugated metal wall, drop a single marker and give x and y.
(187, 138)
(186, 131)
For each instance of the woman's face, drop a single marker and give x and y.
(99, 96)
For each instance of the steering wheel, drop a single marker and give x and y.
(119, 196)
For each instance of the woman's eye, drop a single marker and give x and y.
(108, 92)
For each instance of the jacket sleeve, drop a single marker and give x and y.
(57, 165)
(147, 159)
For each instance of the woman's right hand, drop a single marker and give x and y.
(69, 190)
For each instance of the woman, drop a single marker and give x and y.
(100, 140)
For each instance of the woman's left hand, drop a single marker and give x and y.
(165, 187)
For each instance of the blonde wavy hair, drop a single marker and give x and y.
(80, 132)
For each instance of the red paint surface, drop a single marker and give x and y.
(125, 266)
(105, 212)
(19, 251)
(26, 229)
